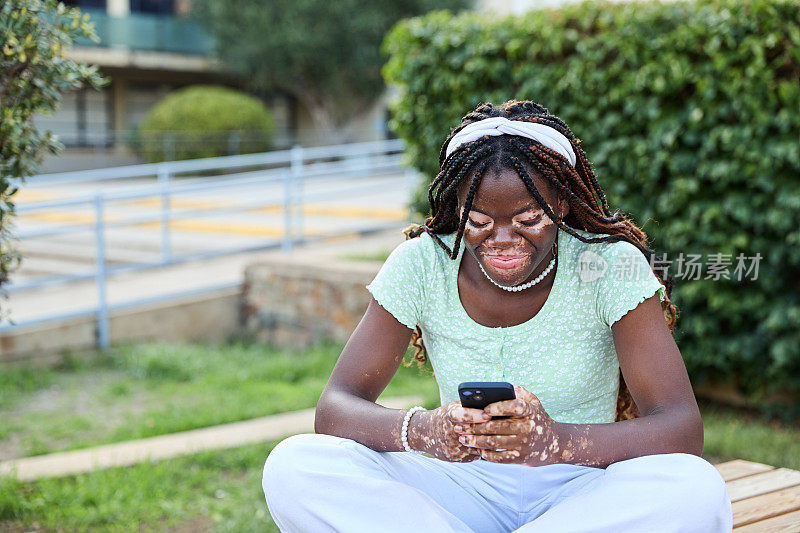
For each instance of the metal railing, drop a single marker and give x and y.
(288, 169)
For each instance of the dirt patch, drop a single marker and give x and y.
(85, 395)
(195, 525)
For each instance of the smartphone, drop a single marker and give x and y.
(479, 394)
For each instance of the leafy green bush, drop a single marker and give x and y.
(689, 114)
(205, 121)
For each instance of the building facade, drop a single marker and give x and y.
(147, 49)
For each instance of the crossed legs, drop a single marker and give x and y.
(323, 483)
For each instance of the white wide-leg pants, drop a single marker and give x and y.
(317, 483)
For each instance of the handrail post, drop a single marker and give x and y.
(297, 176)
(166, 238)
(234, 141)
(169, 147)
(103, 338)
(286, 243)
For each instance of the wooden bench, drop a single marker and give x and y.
(764, 498)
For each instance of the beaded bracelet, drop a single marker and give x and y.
(404, 432)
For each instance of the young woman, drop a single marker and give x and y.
(520, 274)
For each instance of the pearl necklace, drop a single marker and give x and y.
(531, 283)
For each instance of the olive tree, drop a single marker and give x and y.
(34, 72)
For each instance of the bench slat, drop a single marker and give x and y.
(785, 523)
(766, 506)
(747, 487)
(739, 468)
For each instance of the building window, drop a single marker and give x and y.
(84, 4)
(161, 7)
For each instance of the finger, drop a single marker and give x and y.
(525, 394)
(455, 444)
(473, 455)
(516, 407)
(490, 442)
(467, 414)
(469, 451)
(507, 456)
(509, 426)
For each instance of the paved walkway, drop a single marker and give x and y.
(187, 277)
(166, 446)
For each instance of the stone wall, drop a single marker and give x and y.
(209, 317)
(294, 304)
(287, 302)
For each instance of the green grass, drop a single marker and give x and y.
(210, 491)
(380, 256)
(732, 434)
(150, 389)
(15, 382)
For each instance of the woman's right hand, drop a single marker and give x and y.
(432, 432)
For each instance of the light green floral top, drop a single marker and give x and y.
(565, 354)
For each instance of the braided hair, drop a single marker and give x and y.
(588, 208)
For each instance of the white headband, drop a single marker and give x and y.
(502, 126)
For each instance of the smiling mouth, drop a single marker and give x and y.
(505, 262)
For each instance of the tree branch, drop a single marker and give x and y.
(18, 67)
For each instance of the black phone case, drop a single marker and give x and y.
(479, 394)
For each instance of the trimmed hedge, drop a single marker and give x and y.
(205, 121)
(690, 114)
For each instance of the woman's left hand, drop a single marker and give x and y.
(529, 437)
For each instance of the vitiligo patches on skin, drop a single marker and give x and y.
(577, 448)
(438, 437)
(527, 438)
(541, 226)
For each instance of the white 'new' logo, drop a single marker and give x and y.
(590, 266)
